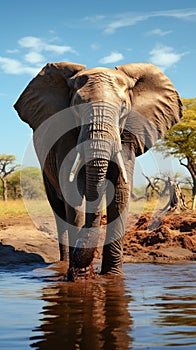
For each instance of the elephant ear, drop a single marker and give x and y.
(47, 94)
(156, 105)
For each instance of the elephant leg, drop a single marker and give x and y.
(117, 212)
(62, 238)
(75, 218)
(58, 208)
(73, 194)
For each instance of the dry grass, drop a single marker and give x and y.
(20, 207)
(144, 206)
(12, 207)
(41, 207)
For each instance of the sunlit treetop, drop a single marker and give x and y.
(180, 140)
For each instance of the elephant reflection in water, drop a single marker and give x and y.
(85, 315)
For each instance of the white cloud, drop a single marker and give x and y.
(31, 42)
(12, 66)
(165, 56)
(123, 21)
(12, 51)
(39, 45)
(34, 57)
(112, 58)
(32, 61)
(158, 32)
(58, 49)
(130, 19)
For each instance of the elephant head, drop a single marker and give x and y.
(115, 110)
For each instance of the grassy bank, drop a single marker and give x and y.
(12, 207)
(41, 207)
(24, 207)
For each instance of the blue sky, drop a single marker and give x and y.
(95, 33)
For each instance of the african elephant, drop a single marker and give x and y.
(88, 127)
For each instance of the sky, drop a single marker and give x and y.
(95, 33)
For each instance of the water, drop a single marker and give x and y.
(151, 307)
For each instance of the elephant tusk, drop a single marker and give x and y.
(75, 167)
(121, 166)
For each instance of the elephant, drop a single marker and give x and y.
(89, 125)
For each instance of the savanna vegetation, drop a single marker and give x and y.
(25, 182)
(180, 142)
(21, 189)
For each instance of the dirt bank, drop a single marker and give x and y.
(169, 239)
(165, 239)
(22, 242)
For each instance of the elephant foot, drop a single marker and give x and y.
(112, 271)
(82, 264)
(112, 259)
(81, 258)
(84, 250)
(74, 274)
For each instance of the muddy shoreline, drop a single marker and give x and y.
(168, 239)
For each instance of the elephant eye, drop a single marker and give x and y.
(81, 81)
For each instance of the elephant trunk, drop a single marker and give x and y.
(99, 141)
(99, 136)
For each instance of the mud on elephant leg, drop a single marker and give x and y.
(82, 243)
(84, 251)
(82, 260)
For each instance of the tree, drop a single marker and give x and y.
(163, 185)
(14, 187)
(180, 141)
(32, 186)
(6, 168)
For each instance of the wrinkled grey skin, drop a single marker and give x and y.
(113, 111)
